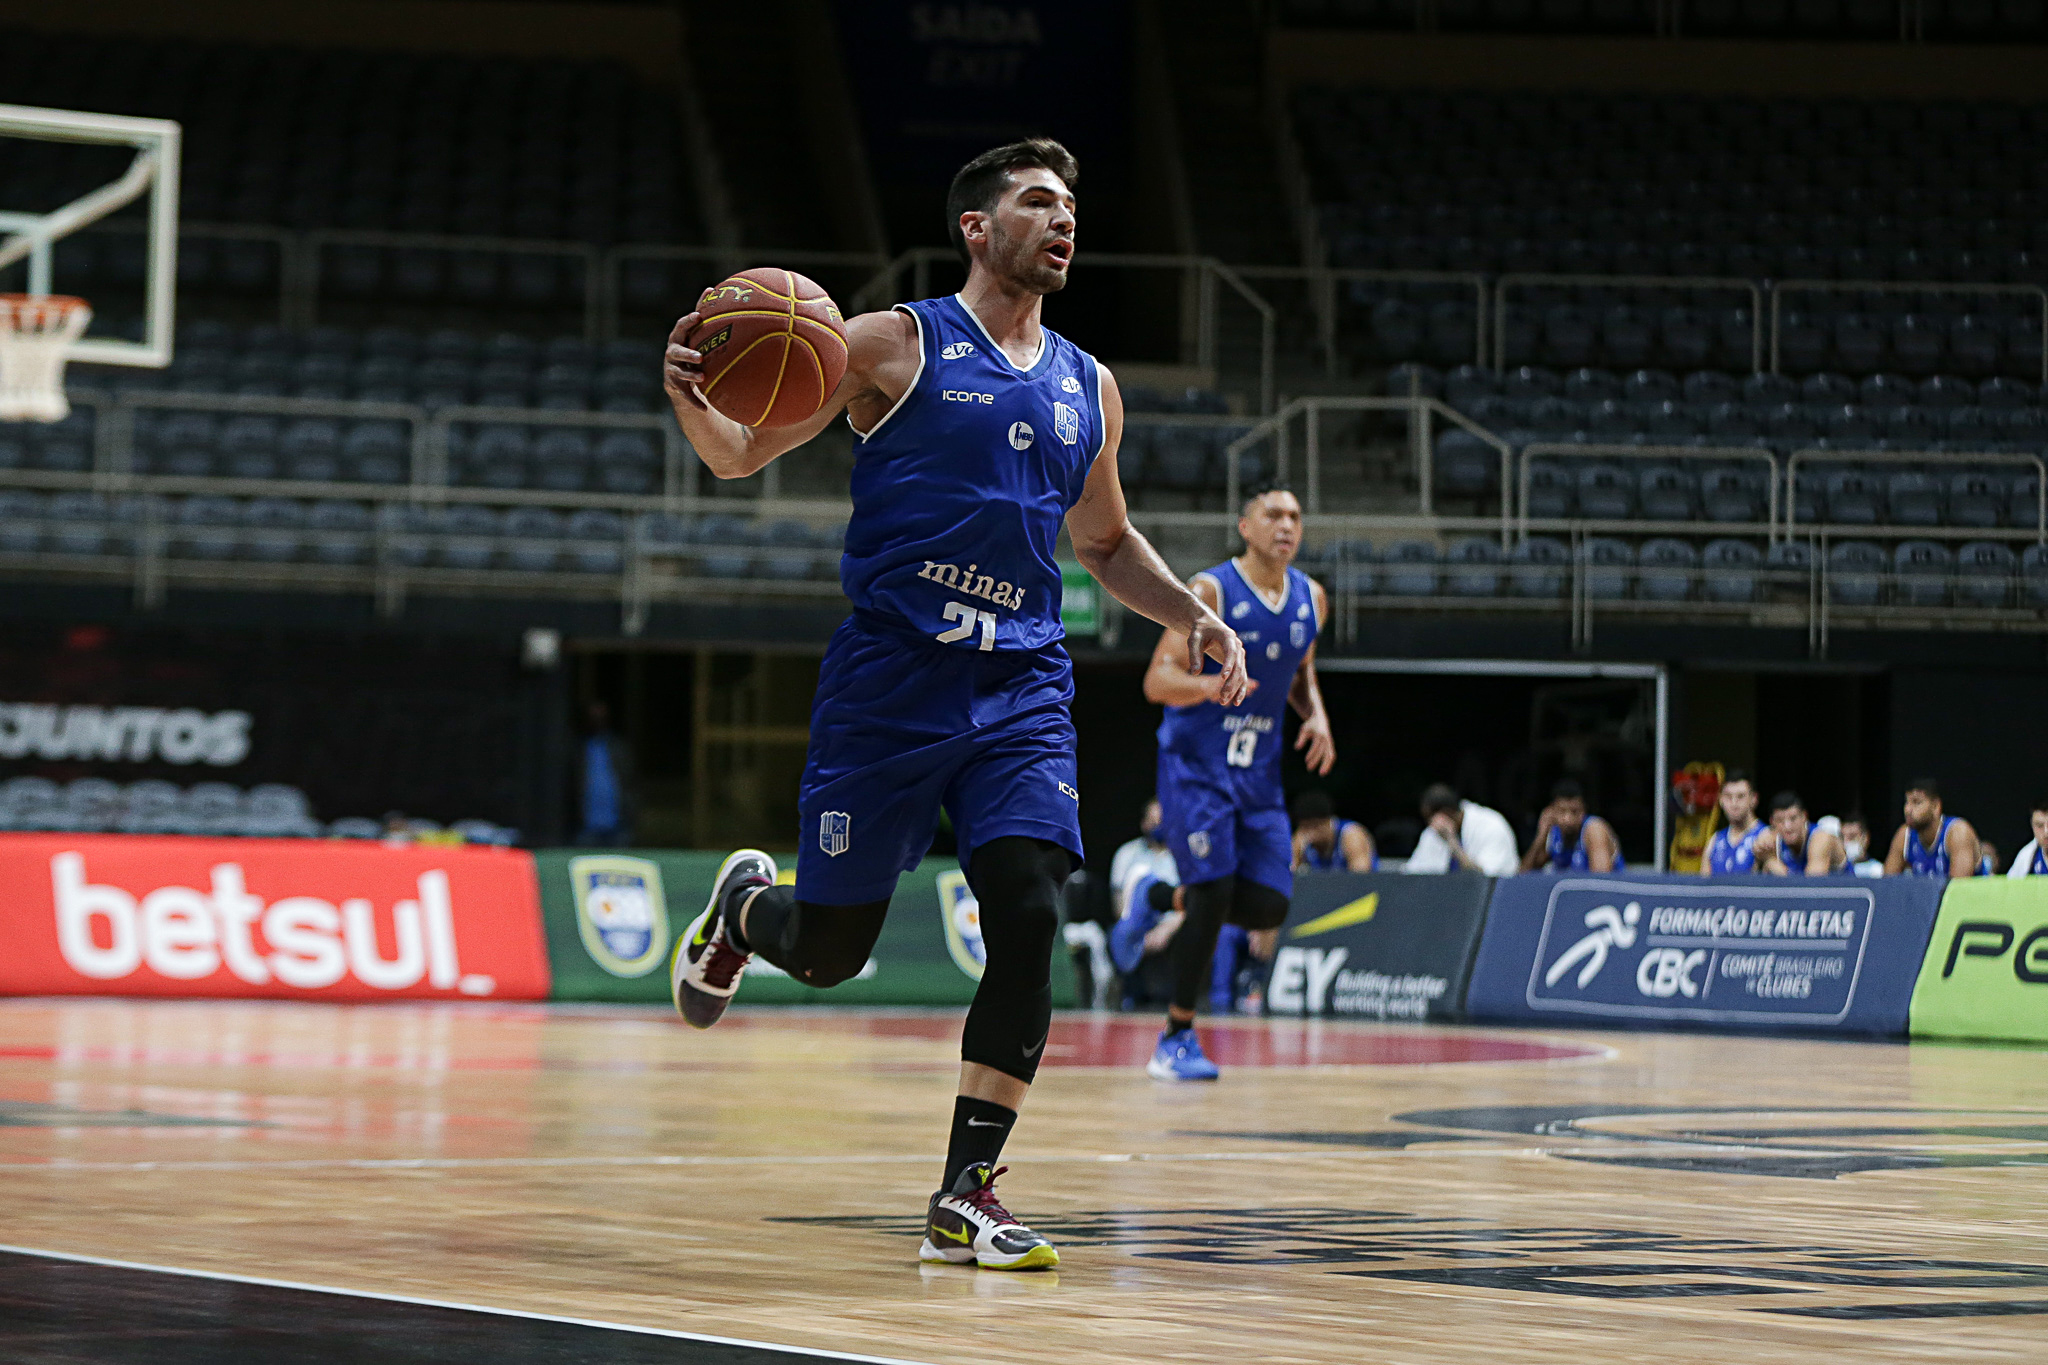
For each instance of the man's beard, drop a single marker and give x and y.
(1020, 266)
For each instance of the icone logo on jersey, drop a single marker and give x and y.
(966, 396)
(107, 933)
(1020, 435)
(1238, 612)
(956, 350)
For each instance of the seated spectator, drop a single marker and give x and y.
(1151, 914)
(1323, 843)
(1855, 832)
(1732, 850)
(1931, 843)
(1987, 858)
(2032, 859)
(1794, 846)
(1569, 840)
(1147, 848)
(1463, 836)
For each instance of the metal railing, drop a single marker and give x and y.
(1421, 411)
(679, 473)
(1784, 287)
(1204, 277)
(1702, 282)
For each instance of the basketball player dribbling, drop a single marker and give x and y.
(977, 431)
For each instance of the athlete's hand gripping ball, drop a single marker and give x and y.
(764, 347)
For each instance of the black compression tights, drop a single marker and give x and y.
(1208, 905)
(1017, 881)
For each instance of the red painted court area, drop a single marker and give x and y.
(1128, 1040)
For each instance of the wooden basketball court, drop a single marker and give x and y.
(1396, 1193)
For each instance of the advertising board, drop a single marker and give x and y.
(1834, 953)
(1986, 970)
(1377, 945)
(283, 918)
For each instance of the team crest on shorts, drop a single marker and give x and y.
(1198, 843)
(835, 832)
(621, 912)
(1066, 423)
(960, 912)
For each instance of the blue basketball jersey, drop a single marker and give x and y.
(1240, 745)
(959, 490)
(1575, 859)
(2037, 866)
(1728, 857)
(1925, 862)
(1333, 861)
(1794, 859)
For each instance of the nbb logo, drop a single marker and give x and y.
(276, 918)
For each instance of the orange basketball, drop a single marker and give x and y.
(774, 347)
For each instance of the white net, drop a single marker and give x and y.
(36, 332)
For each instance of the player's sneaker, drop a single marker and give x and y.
(1179, 1058)
(706, 968)
(966, 1226)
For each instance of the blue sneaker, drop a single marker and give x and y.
(1179, 1058)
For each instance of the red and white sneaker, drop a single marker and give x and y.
(706, 968)
(966, 1226)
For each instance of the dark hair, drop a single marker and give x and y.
(1855, 817)
(1737, 775)
(1313, 805)
(1439, 796)
(1260, 489)
(978, 184)
(2042, 804)
(1567, 789)
(1926, 785)
(1786, 800)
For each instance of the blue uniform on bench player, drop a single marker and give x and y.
(1225, 815)
(978, 432)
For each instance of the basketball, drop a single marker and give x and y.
(774, 347)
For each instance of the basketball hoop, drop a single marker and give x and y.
(36, 332)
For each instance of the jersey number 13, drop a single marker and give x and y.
(1243, 745)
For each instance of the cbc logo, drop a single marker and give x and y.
(1665, 972)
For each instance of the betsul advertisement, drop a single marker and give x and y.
(1828, 953)
(1377, 945)
(1986, 972)
(116, 915)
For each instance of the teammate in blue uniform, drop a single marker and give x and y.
(1931, 844)
(1569, 840)
(977, 433)
(1324, 843)
(1219, 758)
(1732, 850)
(1794, 846)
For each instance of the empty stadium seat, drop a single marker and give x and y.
(596, 538)
(1408, 568)
(2034, 576)
(1728, 571)
(1539, 567)
(1923, 568)
(1472, 567)
(1984, 574)
(1856, 573)
(531, 538)
(1665, 493)
(467, 536)
(1665, 569)
(1608, 565)
(726, 543)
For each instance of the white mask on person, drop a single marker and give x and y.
(1854, 848)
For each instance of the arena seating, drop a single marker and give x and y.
(558, 150)
(1867, 20)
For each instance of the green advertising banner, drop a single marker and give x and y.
(1986, 970)
(612, 917)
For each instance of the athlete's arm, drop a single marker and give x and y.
(1767, 857)
(1356, 846)
(1300, 862)
(1707, 857)
(1822, 850)
(881, 364)
(1601, 846)
(1125, 563)
(1174, 677)
(1539, 847)
(1895, 861)
(1305, 695)
(1963, 850)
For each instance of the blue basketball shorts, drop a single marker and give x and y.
(902, 727)
(1211, 836)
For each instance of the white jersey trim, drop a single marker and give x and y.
(979, 326)
(1286, 593)
(1101, 416)
(914, 379)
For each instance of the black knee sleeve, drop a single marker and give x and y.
(1017, 882)
(1256, 906)
(819, 945)
(1206, 904)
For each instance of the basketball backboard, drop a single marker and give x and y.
(28, 236)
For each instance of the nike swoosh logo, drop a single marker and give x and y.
(963, 1236)
(982, 1123)
(1031, 1052)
